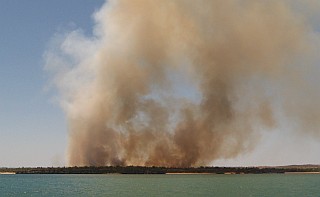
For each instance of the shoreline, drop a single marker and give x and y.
(187, 173)
(161, 170)
(302, 172)
(7, 173)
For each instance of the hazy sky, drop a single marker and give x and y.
(33, 130)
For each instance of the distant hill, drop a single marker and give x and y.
(300, 166)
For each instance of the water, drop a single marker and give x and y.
(160, 185)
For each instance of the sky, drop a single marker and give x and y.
(33, 129)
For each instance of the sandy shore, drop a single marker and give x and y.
(187, 173)
(7, 173)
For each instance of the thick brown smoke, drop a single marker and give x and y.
(182, 82)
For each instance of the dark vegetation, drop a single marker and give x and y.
(161, 170)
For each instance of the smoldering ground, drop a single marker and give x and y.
(182, 82)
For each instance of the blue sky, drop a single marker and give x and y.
(32, 127)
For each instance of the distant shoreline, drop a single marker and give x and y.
(293, 169)
(187, 173)
(302, 172)
(5, 173)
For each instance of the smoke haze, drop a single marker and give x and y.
(182, 82)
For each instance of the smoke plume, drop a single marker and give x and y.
(182, 82)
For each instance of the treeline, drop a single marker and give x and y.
(156, 170)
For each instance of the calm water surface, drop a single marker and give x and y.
(161, 185)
